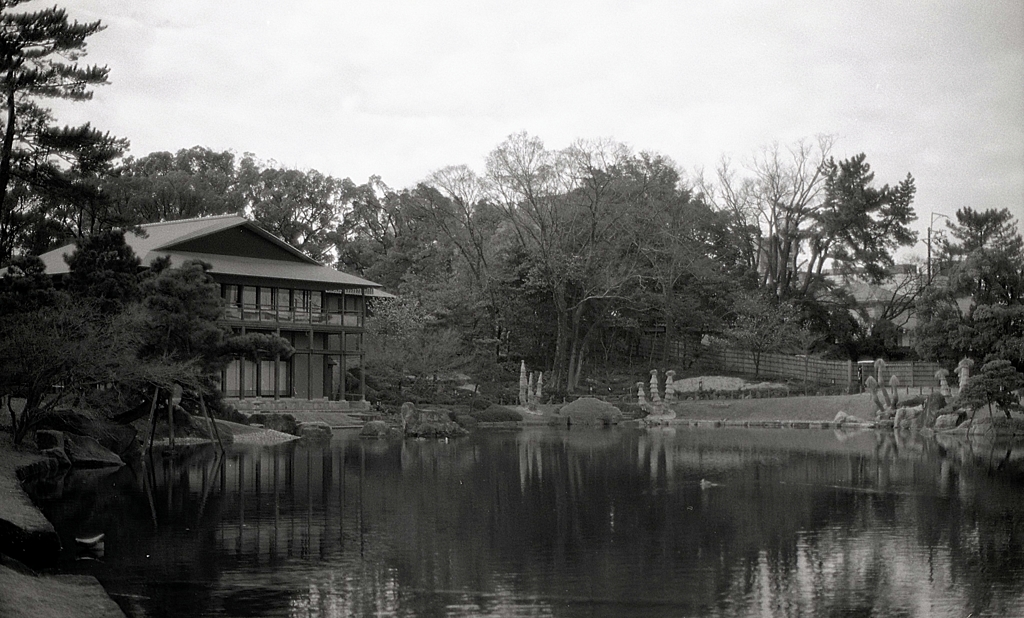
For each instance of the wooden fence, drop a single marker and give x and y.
(847, 374)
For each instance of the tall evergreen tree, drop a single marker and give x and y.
(39, 53)
(105, 270)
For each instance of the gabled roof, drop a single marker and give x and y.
(169, 238)
(270, 269)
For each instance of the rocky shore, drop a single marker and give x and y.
(28, 541)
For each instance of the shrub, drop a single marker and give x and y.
(632, 410)
(496, 414)
(916, 400)
(589, 411)
(457, 410)
(465, 421)
(480, 403)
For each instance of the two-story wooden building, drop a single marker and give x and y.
(268, 287)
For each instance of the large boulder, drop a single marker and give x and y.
(315, 431)
(933, 406)
(86, 452)
(947, 421)
(909, 418)
(49, 438)
(374, 429)
(842, 418)
(590, 411)
(120, 439)
(284, 423)
(58, 456)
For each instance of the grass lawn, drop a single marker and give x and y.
(823, 408)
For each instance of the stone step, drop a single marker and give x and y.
(249, 406)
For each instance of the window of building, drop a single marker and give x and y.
(284, 304)
(266, 298)
(230, 293)
(249, 303)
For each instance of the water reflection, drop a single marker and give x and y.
(668, 522)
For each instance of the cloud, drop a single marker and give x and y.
(399, 88)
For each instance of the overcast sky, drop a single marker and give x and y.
(400, 88)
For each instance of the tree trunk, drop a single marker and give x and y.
(669, 325)
(572, 376)
(5, 171)
(580, 347)
(562, 340)
(28, 412)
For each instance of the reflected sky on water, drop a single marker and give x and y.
(546, 522)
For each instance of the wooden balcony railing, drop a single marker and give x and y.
(276, 315)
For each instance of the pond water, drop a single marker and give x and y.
(546, 522)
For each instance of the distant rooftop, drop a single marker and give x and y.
(898, 269)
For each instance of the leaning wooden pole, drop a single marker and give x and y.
(152, 416)
(213, 423)
(170, 420)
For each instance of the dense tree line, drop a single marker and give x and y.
(560, 257)
(975, 306)
(557, 256)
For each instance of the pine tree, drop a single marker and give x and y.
(39, 53)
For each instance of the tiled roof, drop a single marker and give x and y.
(269, 269)
(161, 238)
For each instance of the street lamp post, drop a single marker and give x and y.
(931, 222)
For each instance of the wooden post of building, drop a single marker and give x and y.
(277, 376)
(849, 376)
(309, 364)
(277, 369)
(241, 367)
(362, 361)
(342, 369)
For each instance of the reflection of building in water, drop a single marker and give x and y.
(268, 507)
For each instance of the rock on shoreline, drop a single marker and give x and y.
(28, 537)
(45, 596)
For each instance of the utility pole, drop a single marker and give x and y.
(931, 222)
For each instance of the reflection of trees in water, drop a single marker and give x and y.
(879, 522)
(876, 529)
